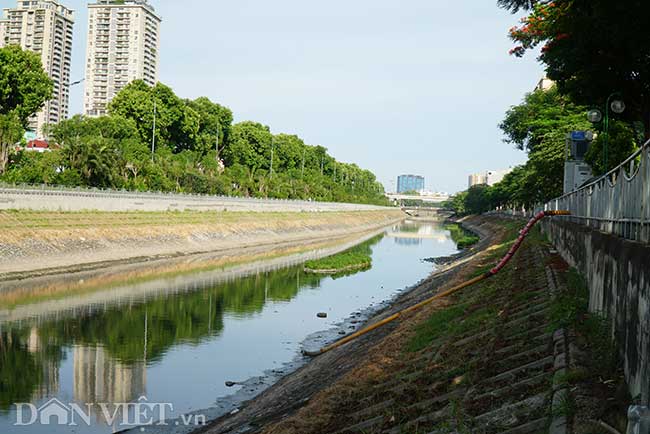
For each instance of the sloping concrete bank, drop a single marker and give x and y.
(50, 243)
(618, 276)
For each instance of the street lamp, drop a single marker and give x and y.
(595, 115)
(153, 130)
(272, 145)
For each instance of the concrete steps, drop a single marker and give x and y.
(503, 385)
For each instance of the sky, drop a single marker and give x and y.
(397, 87)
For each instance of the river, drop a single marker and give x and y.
(178, 349)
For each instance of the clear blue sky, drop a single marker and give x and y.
(412, 86)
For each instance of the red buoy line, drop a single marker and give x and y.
(502, 263)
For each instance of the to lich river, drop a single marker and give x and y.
(180, 347)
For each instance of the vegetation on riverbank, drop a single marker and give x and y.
(356, 258)
(461, 237)
(581, 51)
(198, 149)
(339, 263)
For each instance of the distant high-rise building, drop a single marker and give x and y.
(489, 177)
(45, 27)
(410, 183)
(123, 43)
(476, 179)
(3, 30)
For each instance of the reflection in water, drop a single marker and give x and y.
(408, 241)
(99, 378)
(113, 347)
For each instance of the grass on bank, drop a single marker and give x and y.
(357, 258)
(340, 262)
(461, 237)
(474, 307)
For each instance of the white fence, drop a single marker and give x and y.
(47, 198)
(616, 203)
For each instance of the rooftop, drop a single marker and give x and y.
(143, 3)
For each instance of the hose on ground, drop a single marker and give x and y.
(502, 263)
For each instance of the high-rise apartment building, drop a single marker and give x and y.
(123, 43)
(410, 183)
(45, 27)
(3, 30)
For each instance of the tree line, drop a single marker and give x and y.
(594, 50)
(196, 146)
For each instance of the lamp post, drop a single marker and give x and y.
(595, 115)
(153, 131)
(216, 144)
(272, 145)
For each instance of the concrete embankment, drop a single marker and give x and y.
(618, 278)
(34, 243)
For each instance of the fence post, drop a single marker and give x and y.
(645, 192)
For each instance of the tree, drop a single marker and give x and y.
(591, 48)
(539, 126)
(622, 142)
(528, 125)
(214, 125)
(24, 85)
(11, 131)
(515, 5)
(249, 145)
(177, 125)
(24, 88)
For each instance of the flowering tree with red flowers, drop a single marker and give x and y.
(591, 48)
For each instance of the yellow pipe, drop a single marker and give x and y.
(438, 296)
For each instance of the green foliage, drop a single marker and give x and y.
(358, 257)
(529, 124)
(591, 48)
(115, 152)
(539, 126)
(339, 262)
(570, 309)
(621, 144)
(177, 124)
(24, 87)
(461, 237)
(442, 322)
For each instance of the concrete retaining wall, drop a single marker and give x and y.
(618, 275)
(105, 200)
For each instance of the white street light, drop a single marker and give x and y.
(594, 116)
(618, 106)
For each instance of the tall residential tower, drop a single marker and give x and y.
(123, 43)
(407, 183)
(45, 27)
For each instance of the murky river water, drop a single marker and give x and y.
(179, 348)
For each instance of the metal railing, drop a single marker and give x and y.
(617, 203)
